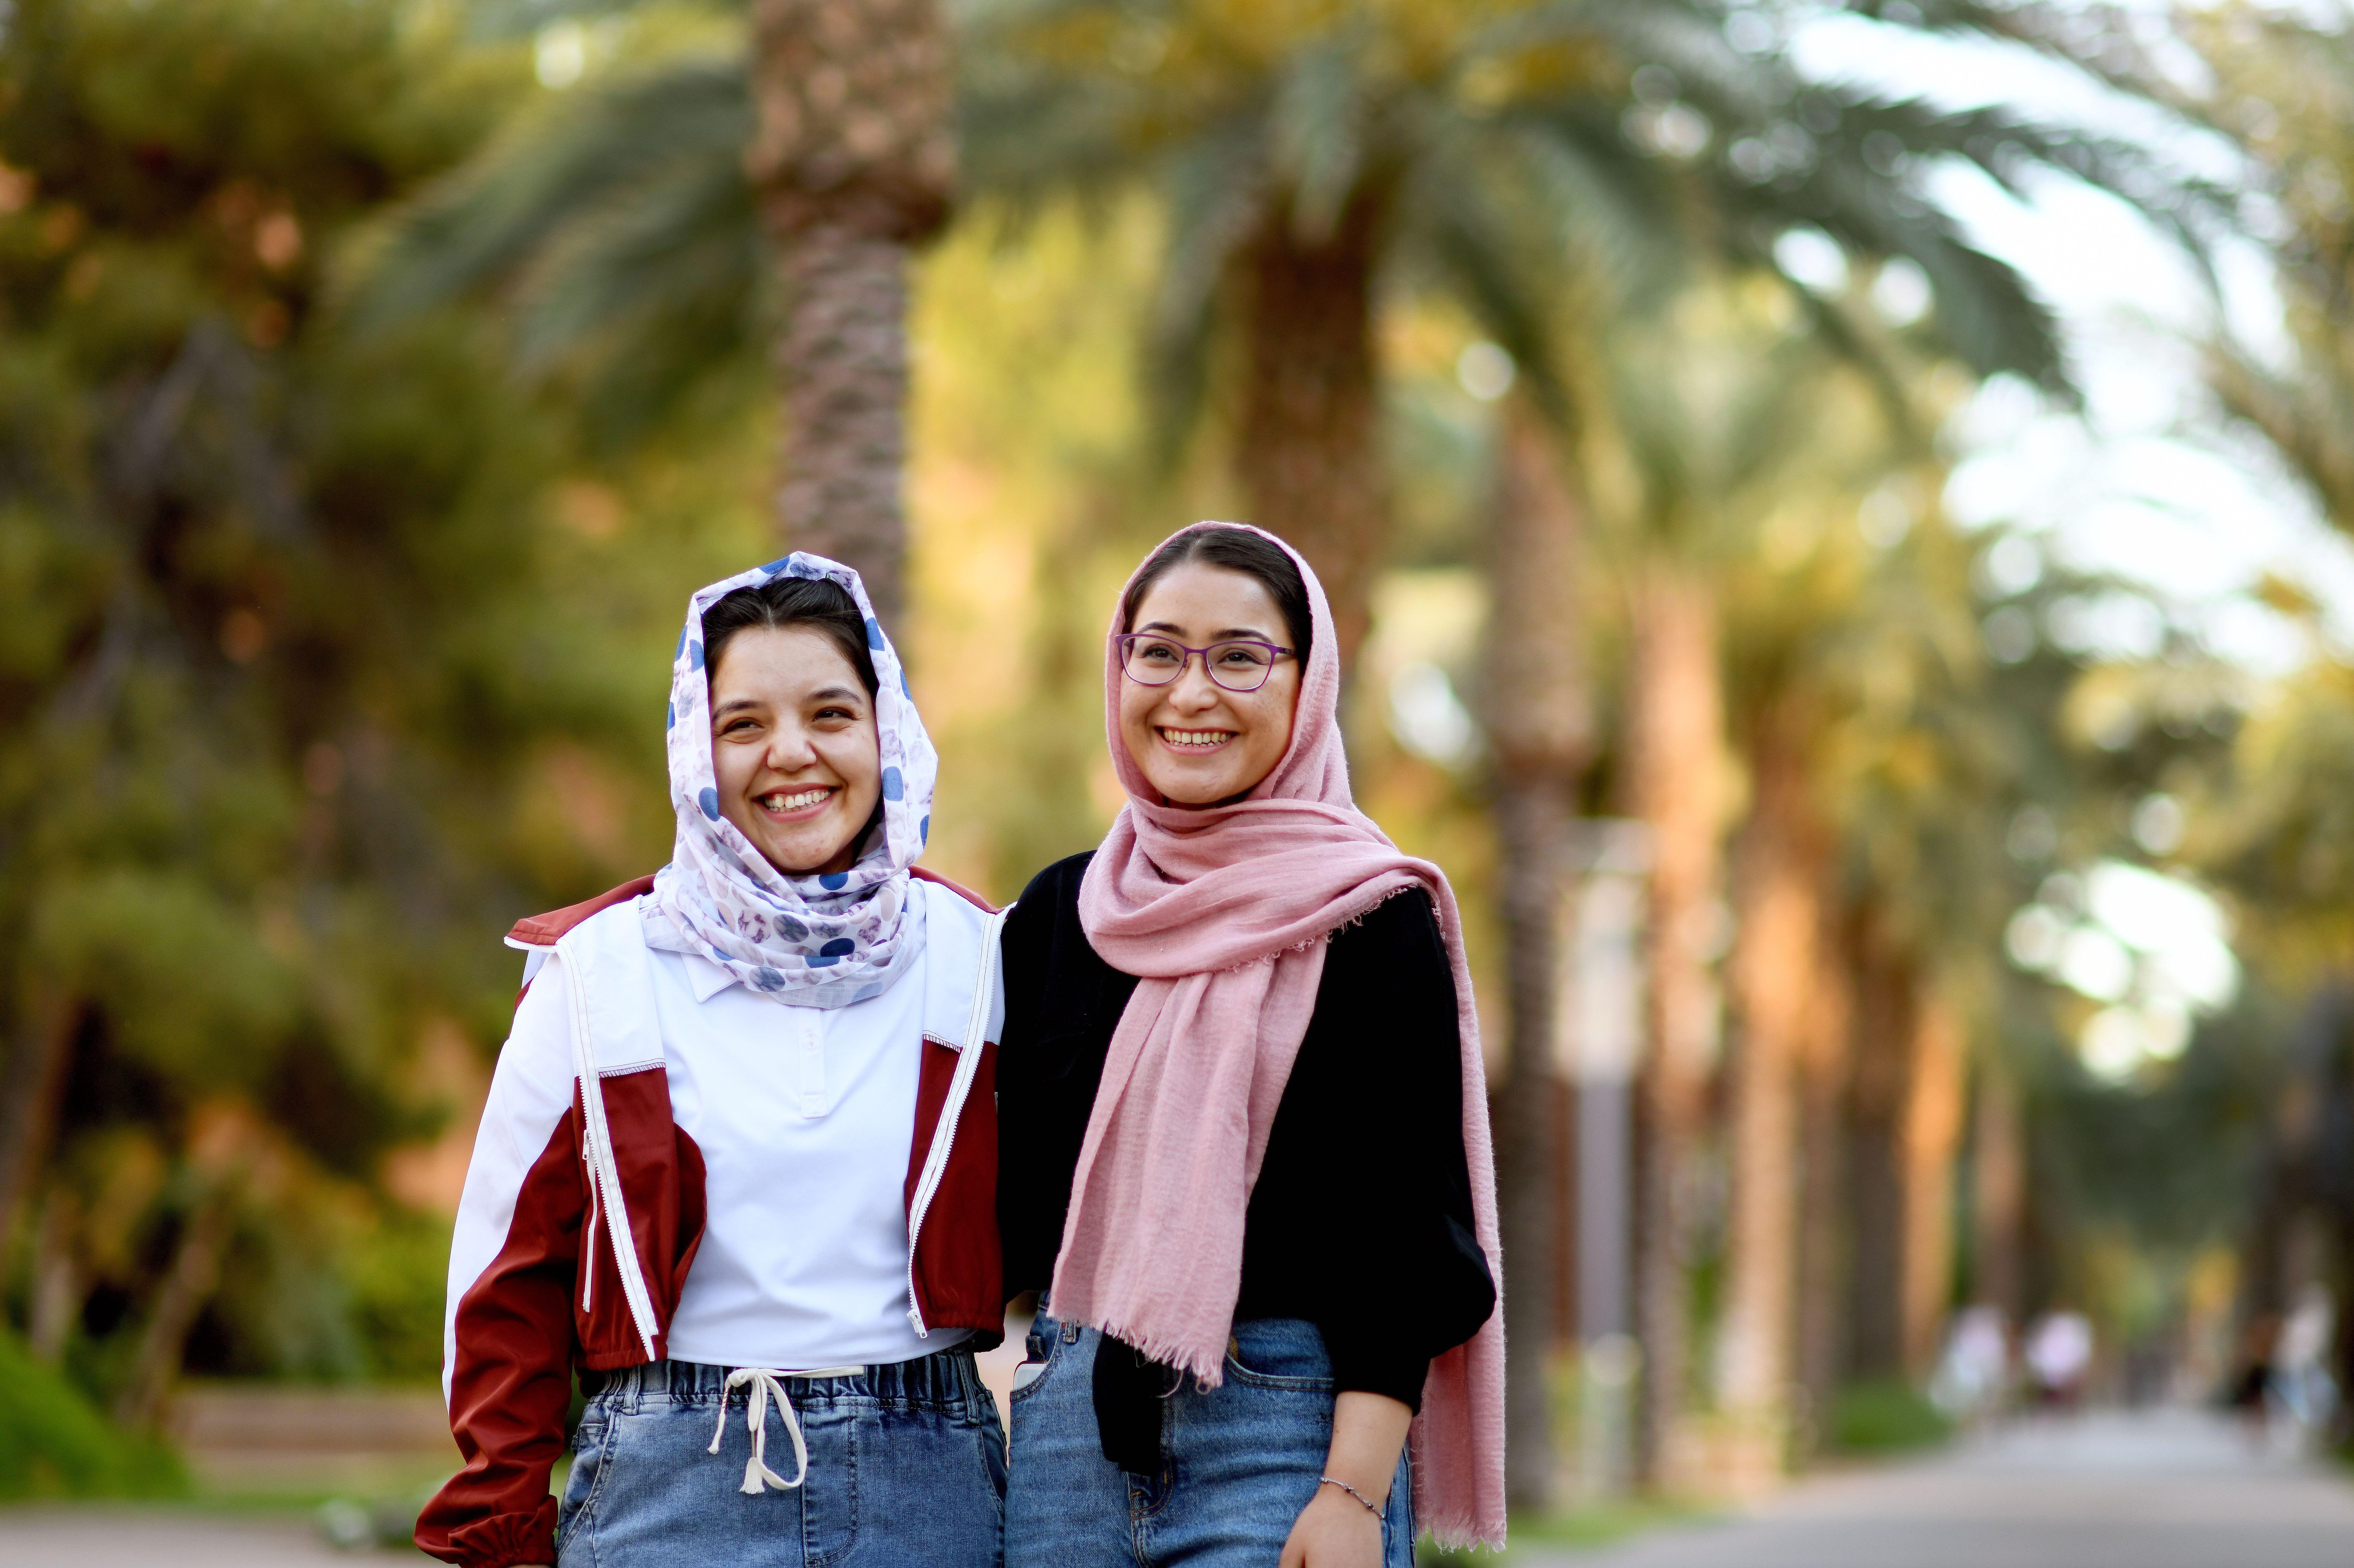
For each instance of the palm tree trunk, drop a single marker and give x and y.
(1783, 874)
(1998, 1171)
(30, 1089)
(1535, 712)
(1885, 1023)
(853, 158)
(1823, 1270)
(1307, 450)
(1675, 761)
(1933, 1137)
(57, 1290)
(187, 1286)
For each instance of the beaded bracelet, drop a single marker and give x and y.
(1333, 1481)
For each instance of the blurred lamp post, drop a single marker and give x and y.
(1600, 1043)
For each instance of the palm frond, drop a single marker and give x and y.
(1317, 134)
(681, 121)
(1481, 241)
(1609, 203)
(1214, 189)
(660, 286)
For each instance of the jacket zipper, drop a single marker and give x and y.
(935, 1161)
(606, 1170)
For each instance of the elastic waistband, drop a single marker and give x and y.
(945, 1380)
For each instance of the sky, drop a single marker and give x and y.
(2146, 483)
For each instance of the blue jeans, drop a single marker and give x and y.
(1237, 1462)
(906, 1465)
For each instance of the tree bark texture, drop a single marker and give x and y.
(1933, 1139)
(33, 1080)
(1885, 1023)
(1307, 450)
(1535, 712)
(1675, 746)
(853, 156)
(1782, 876)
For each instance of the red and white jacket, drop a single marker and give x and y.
(589, 1244)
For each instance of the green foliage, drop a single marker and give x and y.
(394, 1276)
(1887, 1416)
(55, 1444)
(317, 669)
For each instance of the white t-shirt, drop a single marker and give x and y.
(805, 1117)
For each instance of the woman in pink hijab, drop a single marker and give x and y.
(1245, 1154)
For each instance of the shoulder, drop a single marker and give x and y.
(1402, 928)
(542, 931)
(947, 907)
(1059, 883)
(960, 892)
(1052, 898)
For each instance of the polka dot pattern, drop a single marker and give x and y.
(808, 941)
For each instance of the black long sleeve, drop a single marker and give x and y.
(1361, 1220)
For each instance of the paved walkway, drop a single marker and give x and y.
(141, 1538)
(2168, 1489)
(2173, 1490)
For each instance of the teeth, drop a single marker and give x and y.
(780, 801)
(1197, 737)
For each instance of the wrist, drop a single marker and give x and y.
(1357, 1492)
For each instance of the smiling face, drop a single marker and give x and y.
(794, 748)
(1194, 740)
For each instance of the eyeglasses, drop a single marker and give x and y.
(1242, 666)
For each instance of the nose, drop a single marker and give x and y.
(790, 750)
(1193, 689)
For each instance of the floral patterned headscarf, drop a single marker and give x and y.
(806, 941)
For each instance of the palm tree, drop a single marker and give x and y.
(1307, 159)
(1535, 714)
(1705, 411)
(1310, 158)
(852, 159)
(627, 223)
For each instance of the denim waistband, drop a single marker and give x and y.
(945, 1380)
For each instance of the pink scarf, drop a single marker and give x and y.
(1223, 912)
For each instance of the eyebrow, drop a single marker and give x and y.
(1228, 635)
(824, 695)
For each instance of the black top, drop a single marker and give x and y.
(1360, 1221)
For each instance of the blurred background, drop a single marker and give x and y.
(1836, 512)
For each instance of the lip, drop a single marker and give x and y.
(1160, 734)
(799, 813)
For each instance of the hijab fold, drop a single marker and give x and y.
(1224, 912)
(806, 941)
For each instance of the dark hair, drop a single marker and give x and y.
(1237, 550)
(815, 602)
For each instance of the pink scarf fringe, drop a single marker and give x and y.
(1223, 913)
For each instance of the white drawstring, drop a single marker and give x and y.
(763, 1384)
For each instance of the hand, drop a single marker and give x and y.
(1334, 1531)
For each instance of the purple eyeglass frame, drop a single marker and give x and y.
(1124, 642)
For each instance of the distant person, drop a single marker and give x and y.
(1246, 1154)
(1972, 1374)
(2252, 1390)
(2059, 1354)
(737, 1168)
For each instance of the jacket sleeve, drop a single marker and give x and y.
(508, 1338)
